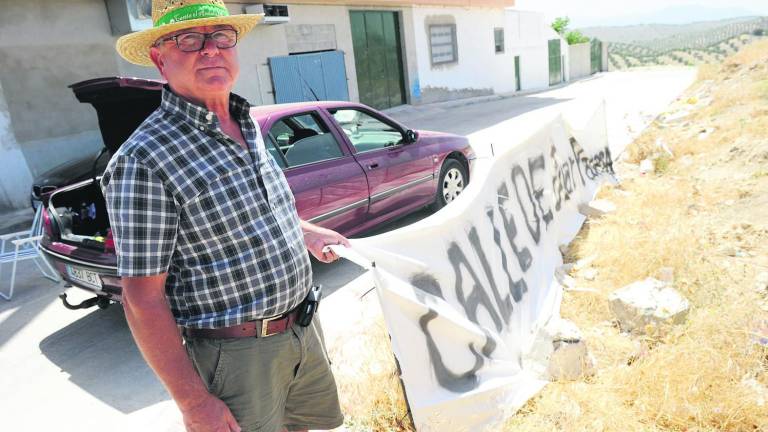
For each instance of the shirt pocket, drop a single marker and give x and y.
(221, 206)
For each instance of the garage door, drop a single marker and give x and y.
(555, 63)
(378, 60)
(309, 77)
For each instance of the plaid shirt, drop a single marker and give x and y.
(186, 199)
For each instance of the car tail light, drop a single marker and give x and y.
(109, 242)
(47, 224)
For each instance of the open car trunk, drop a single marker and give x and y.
(121, 104)
(81, 215)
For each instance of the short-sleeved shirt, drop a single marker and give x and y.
(183, 198)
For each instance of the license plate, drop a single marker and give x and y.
(84, 276)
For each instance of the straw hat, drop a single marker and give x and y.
(171, 15)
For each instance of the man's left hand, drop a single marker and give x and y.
(317, 238)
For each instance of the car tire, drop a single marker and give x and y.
(452, 181)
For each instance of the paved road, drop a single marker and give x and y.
(80, 371)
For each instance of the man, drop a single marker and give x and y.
(208, 238)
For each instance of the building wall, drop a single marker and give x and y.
(16, 178)
(478, 71)
(580, 60)
(44, 47)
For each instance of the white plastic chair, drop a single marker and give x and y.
(26, 245)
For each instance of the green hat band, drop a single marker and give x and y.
(191, 12)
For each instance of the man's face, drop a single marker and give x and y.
(198, 74)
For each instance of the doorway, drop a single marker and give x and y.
(378, 59)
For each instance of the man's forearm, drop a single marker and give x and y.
(158, 338)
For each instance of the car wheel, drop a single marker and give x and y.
(453, 179)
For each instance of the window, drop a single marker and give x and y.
(366, 132)
(442, 43)
(302, 139)
(498, 40)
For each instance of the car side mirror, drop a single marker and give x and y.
(411, 136)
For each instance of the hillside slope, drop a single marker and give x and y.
(690, 44)
(700, 217)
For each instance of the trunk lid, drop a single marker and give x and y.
(121, 104)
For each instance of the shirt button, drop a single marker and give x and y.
(202, 128)
(209, 116)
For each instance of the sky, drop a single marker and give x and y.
(614, 12)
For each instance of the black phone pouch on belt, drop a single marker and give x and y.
(308, 307)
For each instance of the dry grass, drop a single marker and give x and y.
(372, 398)
(704, 215)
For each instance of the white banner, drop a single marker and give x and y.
(465, 291)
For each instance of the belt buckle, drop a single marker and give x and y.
(265, 324)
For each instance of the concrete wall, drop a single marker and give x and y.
(478, 71)
(44, 47)
(16, 178)
(580, 60)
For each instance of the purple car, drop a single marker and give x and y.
(350, 167)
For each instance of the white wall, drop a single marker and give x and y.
(529, 33)
(580, 60)
(527, 38)
(479, 69)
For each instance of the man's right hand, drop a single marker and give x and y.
(158, 338)
(211, 415)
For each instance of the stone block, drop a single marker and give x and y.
(570, 358)
(646, 166)
(648, 306)
(570, 361)
(597, 208)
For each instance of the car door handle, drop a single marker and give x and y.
(373, 166)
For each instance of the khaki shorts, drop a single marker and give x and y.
(269, 383)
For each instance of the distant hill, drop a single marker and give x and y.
(682, 44)
(680, 14)
(649, 32)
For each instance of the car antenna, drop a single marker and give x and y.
(308, 86)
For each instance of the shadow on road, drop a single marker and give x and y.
(32, 294)
(99, 355)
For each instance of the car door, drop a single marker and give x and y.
(328, 184)
(400, 174)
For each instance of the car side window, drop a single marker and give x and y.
(302, 139)
(366, 132)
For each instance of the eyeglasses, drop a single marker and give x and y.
(194, 41)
